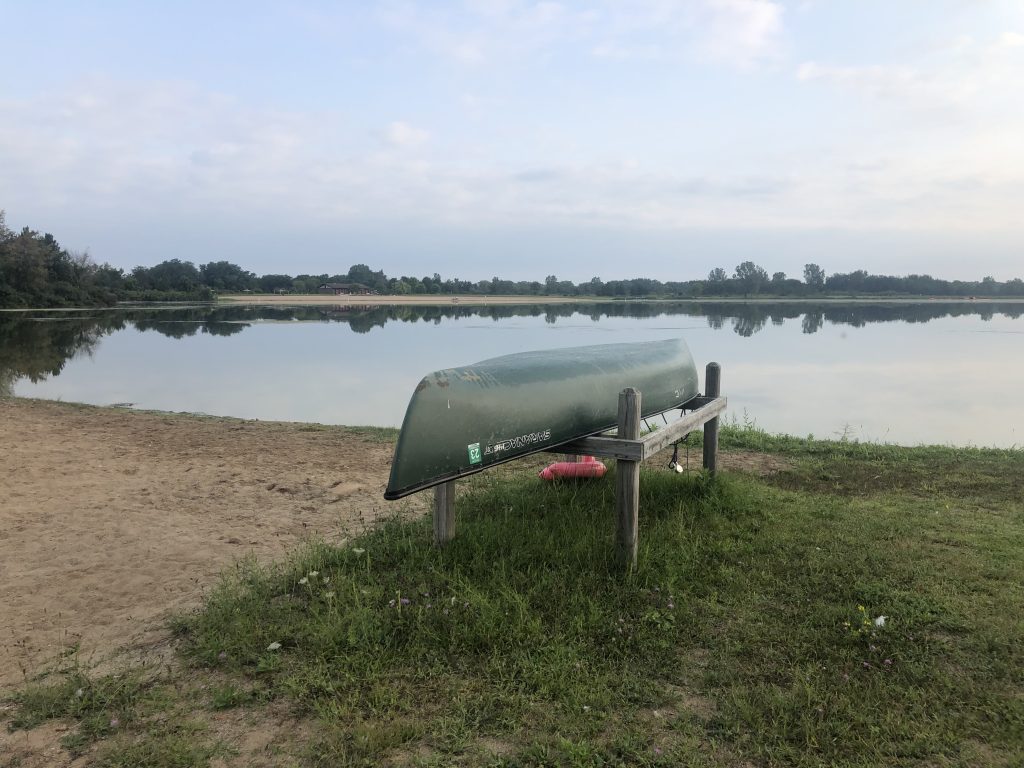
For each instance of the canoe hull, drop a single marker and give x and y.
(462, 420)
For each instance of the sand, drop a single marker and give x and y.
(420, 299)
(112, 520)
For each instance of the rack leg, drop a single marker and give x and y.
(712, 388)
(444, 513)
(627, 480)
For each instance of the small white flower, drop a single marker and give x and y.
(880, 621)
(80, 693)
(273, 646)
(326, 579)
(586, 708)
(313, 574)
(304, 580)
(359, 551)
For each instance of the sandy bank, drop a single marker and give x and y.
(112, 519)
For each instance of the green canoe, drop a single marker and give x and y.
(463, 420)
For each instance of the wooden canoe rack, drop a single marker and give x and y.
(629, 449)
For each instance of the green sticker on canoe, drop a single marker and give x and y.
(474, 453)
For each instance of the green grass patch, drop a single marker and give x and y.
(741, 636)
(985, 476)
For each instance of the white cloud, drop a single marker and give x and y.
(743, 32)
(115, 151)
(971, 80)
(1011, 40)
(876, 81)
(401, 134)
(738, 33)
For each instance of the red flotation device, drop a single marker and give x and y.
(586, 466)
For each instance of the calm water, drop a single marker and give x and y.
(926, 373)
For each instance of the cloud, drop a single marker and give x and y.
(743, 32)
(876, 81)
(401, 134)
(968, 78)
(738, 33)
(113, 151)
(1011, 40)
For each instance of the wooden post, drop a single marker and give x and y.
(444, 513)
(627, 480)
(712, 388)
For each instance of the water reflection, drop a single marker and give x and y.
(35, 345)
(38, 344)
(798, 367)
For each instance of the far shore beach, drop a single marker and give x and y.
(477, 300)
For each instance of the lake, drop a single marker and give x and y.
(908, 373)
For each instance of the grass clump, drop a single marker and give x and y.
(121, 719)
(100, 706)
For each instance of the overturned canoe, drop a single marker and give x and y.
(463, 420)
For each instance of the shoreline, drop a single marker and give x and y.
(471, 300)
(240, 300)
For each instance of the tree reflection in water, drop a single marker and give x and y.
(35, 345)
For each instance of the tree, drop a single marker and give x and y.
(225, 276)
(363, 275)
(272, 283)
(170, 275)
(751, 277)
(814, 276)
(717, 275)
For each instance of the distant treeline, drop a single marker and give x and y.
(36, 272)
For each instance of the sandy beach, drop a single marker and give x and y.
(111, 520)
(478, 300)
(420, 299)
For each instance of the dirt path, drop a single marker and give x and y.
(111, 519)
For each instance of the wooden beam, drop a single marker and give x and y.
(712, 388)
(662, 437)
(697, 402)
(444, 513)
(627, 480)
(632, 450)
(603, 448)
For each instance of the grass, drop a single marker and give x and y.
(747, 636)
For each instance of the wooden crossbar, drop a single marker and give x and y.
(614, 447)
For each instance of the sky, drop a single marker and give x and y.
(656, 138)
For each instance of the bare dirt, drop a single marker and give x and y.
(111, 520)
